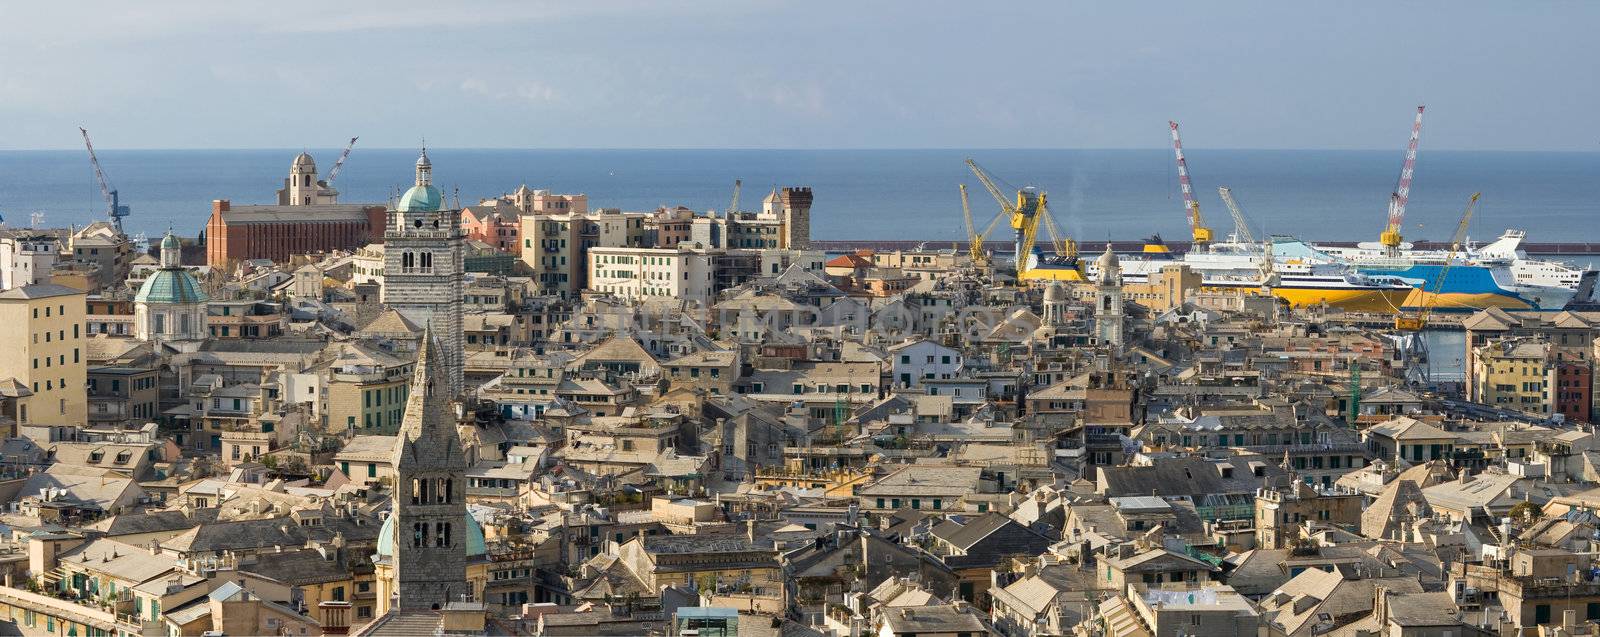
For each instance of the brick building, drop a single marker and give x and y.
(306, 219)
(237, 233)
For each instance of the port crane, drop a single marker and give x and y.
(1390, 238)
(338, 165)
(1200, 235)
(115, 211)
(1240, 226)
(733, 206)
(1026, 215)
(1428, 299)
(976, 239)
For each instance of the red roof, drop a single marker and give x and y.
(848, 261)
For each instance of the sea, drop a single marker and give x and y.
(870, 194)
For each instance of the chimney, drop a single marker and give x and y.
(750, 530)
(1380, 605)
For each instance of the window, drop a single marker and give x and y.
(372, 470)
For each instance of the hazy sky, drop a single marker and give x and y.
(806, 74)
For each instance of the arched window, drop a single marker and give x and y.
(427, 261)
(419, 535)
(305, 180)
(408, 260)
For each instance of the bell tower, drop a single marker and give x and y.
(1108, 317)
(422, 268)
(430, 492)
(302, 181)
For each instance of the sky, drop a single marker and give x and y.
(803, 74)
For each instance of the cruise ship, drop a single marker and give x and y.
(1302, 283)
(1496, 275)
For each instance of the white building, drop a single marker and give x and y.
(640, 273)
(27, 259)
(917, 360)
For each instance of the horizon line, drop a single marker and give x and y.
(782, 149)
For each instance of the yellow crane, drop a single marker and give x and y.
(1026, 215)
(1420, 320)
(975, 239)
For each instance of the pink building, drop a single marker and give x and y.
(498, 221)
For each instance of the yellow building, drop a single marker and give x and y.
(43, 327)
(367, 390)
(1170, 287)
(1514, 373)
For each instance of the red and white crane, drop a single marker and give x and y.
(1200, 234)
(1402, 192)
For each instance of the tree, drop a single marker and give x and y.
(1526, 513)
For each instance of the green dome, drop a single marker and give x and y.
(476, 545)
(421, 198)
(171, 287)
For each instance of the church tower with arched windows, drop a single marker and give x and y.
(303, 187)
(422, 267)
(431, 530)
(1108, 316)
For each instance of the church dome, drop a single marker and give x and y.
(421, 198)
(304, 160)
(476, 545)
(1055, 292)
(1107, 260)
(170, 242)
(170, 287)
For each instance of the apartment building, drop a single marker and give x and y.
(638, 273)
(43, 325)
(1514, 373)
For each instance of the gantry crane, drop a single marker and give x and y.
(1026, 215)
(115, 211)
(1199, 233)
(1428, 299)
(733, 205)
(1241, 227)
(1390, 238)
(332, 174)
